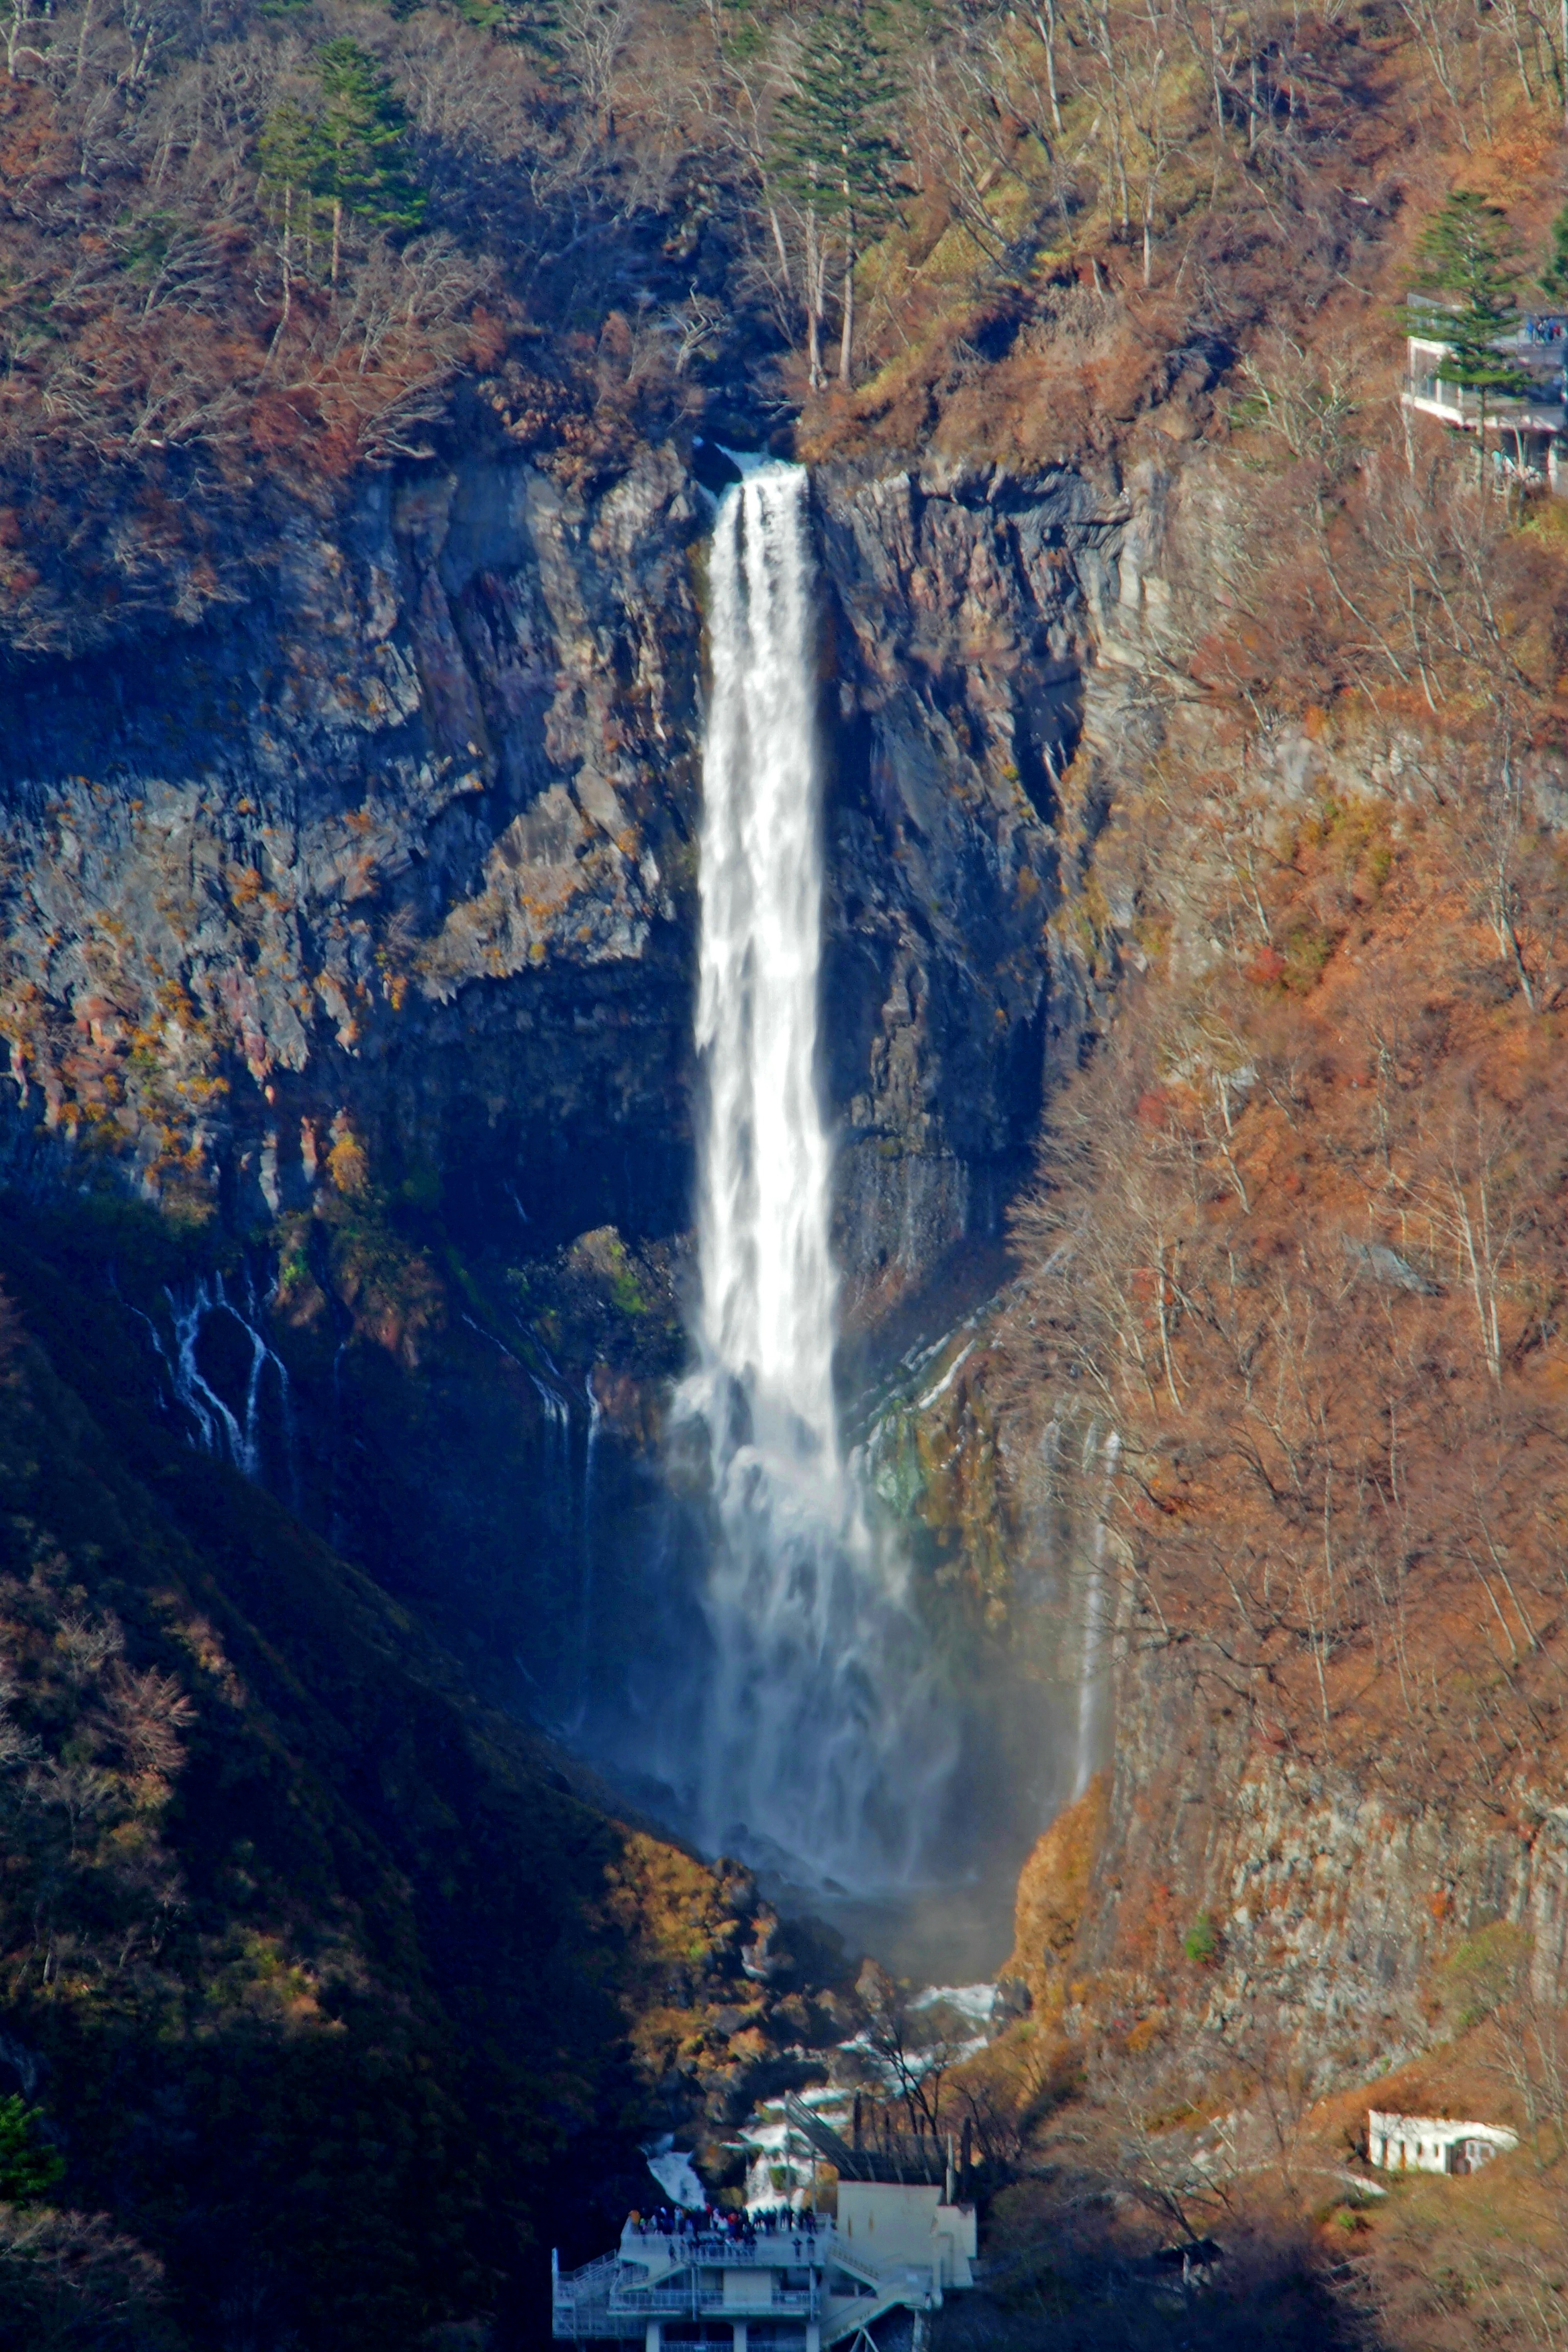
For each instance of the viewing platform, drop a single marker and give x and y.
(731, 2283)
(1530, 428)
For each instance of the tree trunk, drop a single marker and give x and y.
(781, 249)
(1480, 438)
(286, 258)
(337, 236)
(812, 306)
(846, 338)
(1046, 26)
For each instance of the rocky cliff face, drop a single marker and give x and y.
(1235, 1877)
(399, 861)
(962, 609)
(1332, 1906)
(390, 882)
(360, 930)
(395, 863)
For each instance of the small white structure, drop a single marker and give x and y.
(1433, 2142)
(1527, 432)
(908, 2224)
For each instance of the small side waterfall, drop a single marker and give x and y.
(589, 1533)
(1094, 1665)
(826, 1737)
(232, 1430)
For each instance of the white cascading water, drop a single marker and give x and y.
(1093, 1680)
(827, 1735)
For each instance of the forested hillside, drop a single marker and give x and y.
(248, 253)
(337, 2001)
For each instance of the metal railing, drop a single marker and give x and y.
(588, 2302)
(1546, 408)
(697, 2296)
(583, 2295)
(714, 2247)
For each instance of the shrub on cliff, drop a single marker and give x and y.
(28, 2165)
(72, 2283)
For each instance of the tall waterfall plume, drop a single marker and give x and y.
(826, 1735)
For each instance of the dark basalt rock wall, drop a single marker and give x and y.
(400, 858)
(401, 853)
(958, 623)
(378, 898)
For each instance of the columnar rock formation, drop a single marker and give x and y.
(434, 789)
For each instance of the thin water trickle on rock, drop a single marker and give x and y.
(826, 1737)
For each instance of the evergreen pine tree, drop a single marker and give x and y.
(28, 2165)
(1469, 255)
(360, 158)
(288, 160)
(835, 155)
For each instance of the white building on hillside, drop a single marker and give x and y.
(1433, 2142)
(1528, 435)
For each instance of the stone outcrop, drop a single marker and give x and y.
(403, 850)
(403, 853)
(1277, 1899)
(961, 610)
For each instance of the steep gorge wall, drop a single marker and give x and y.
(405, 850)
(1333, 1904)
(396, 870)
(963, 609)
(367, 919)
(1322, 1903)
(400, 853)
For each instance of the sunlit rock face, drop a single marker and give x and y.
(400, 847)
(382, 889)
(406, 845)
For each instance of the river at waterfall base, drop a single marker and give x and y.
(825, 1733)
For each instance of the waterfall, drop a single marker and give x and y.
(585, 1596)
(214, 1422)
(1093, 1664)
(826, 1735)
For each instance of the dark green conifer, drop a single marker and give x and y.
(359, 147)
(1468, 258)
(835, 152)
(29, 2166)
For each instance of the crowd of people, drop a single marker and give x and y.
(720, 2226)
